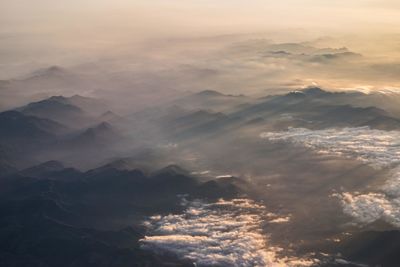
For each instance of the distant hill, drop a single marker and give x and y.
(210, 99)
(74, 111)
(56, 108)
(109, 116)
(317, 108)
(90, 105)
(39, 84)
(100, 134)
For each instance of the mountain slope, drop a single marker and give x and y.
(55, 108)
(16, 125)
(209, 99)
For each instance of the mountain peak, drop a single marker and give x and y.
(101, 130)
(313, 91)
(103, 126)
(58, 98)
(48, 166)
(100, 134)
(209, 93)
(49, 71)
(79, 97)
(55, 69)
(109, 116)
(119, 164)
(172, 169)
(56, 108)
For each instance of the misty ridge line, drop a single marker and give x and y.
(226, 63)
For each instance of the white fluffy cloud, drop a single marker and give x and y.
(375, 147)
(379, 149)
(280, 220)
(367, 208)
(225, 233)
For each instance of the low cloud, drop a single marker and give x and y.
(281, 220)
(379, 149)
(225, 233)
(368, 208)
(375, 147)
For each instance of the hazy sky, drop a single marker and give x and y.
(158, 16)
(40, 33)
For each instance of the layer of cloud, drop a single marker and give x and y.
(225, 233)
(375, 147)
(368, 208)
(143, 72)
(281, 220)
(379, 149)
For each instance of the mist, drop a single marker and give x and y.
(209, 133)
(42, 34)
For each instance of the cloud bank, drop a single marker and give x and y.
(379, 149)
(225, 233)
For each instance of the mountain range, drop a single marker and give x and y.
(78, 180)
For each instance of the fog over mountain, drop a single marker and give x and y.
(199, 133)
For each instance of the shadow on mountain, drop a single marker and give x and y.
(52, 216)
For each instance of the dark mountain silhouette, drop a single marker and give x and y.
(22, 136)
(171, 170)
(51, 215)
(315, 91)
(222, 187)
(43, 169)
(346, 115)
(100, 134)
(72, 111)
(119, 164)
(56, 220)
(56, 108)
(210, 99)
(31, 138)
(316, 108)
(209, 93)
(329, 57)
(109, 116)
(16, 125)
(41, 83)
(91, 106)
(192, 120)
(47, 72)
